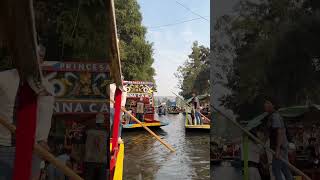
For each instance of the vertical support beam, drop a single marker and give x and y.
(186, 118)
(245, 157)
(25, 133)
(116, 121)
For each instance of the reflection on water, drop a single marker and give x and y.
(226, 171)
(147, 159)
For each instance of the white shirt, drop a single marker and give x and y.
(9, 84)
(113, 88)
(140, 107)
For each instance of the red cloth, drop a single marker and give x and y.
(25, 132)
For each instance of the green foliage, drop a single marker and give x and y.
(136, 52)
(76, 29)
(275, 44)
(194, 74)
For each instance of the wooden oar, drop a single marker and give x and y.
(127, 112)
(257, 140)
(146, 128)
(190, 106)
(43, 153)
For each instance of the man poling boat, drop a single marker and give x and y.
(198, 121)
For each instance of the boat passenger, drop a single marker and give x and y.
(278, 141)
(196, 108)
(254, 153)
(140, 110)
(52, 172)
(96, 151)
(9, 86)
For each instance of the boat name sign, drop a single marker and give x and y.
(80, 107)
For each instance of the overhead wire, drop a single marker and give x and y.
(173, 24)
(187, 8)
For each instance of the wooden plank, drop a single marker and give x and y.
(114, 51)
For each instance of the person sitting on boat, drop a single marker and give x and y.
(140, 110)
(196, 109)
(96, 151)
(254, 153)
(9, 87)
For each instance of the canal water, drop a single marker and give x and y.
(148, 159)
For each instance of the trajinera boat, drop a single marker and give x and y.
(140, 101)
(79, 91)
(189, 115)
(173, 109)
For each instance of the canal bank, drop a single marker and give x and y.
(147, 159)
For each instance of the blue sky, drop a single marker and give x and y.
(172, 44)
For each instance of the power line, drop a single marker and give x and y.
(172, 24)
(191, 11)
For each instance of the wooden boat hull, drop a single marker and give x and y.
(151, 124)
(204, 126)
(118, 172)
(173, 112)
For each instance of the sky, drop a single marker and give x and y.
(172, 43)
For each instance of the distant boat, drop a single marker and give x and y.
(173, 110)
(141, 92)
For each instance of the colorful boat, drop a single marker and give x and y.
(189, 125)
(188, 119)
(173, 109)
(141, 92)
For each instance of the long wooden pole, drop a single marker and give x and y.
(127, 112)
(146, 128)
(190, 106)
(257, 140)
(43, 153)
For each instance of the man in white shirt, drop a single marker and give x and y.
(140, 109)
(9, 85)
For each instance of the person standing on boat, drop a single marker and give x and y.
(9, 87)
(140, 109)
(278, 141)
(196, 109)
(9, 83)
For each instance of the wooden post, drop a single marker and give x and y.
(245, 157)
(25, 132)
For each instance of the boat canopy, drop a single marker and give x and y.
(200, 97)
(289, 113)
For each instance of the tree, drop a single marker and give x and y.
(275, 54)
(194, 74)
(77, 30)
(136, 51)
